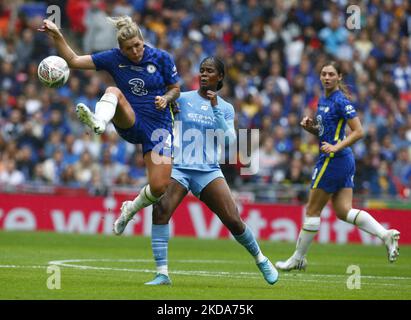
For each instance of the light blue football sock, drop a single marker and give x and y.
(248, 240)
(160, 234)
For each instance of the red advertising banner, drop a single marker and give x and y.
(87, 214)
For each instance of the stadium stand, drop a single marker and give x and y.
(273, 51)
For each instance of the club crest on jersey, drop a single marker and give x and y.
(174, 71)
(151, 68)
(138, 87)
(349, 109)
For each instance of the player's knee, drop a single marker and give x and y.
(158, 188)
(114, 90)
(342, 212)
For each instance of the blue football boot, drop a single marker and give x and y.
(269, 272)
(160, 279)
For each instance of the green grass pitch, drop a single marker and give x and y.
(110, 267)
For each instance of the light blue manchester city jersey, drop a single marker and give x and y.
(194, 128)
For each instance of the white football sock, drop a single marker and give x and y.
(366, 222)
(308, 232)
(144, 199)
(163, 270)
(106, 107)
(260, 258)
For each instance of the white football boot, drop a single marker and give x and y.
(292, 264)
(126, 215)
(89, 119)
(391, 242)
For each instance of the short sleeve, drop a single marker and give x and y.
(346, 109)
(229, 112)
(170, 73)
(104, 60)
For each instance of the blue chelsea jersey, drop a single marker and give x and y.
(332, 115)
(194, 147)
(141, 82)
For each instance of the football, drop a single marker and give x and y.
(53, 71)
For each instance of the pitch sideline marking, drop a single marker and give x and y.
(66, 263)
(13, 266)
(288, 276)
(240, 275)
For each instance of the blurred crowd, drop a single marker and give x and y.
(273, 51)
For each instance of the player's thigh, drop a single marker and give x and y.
(317, 200)
(124, 116)
(218, 198)
(158, 172)
(342, 202)
(164, 209)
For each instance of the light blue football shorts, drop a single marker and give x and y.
(195, 180)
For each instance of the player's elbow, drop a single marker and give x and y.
(81, 62)
(174, 90)
(73, 62)
(360, 133)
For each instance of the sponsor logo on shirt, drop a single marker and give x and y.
(135, 68)
(201, 118)
(138, 87)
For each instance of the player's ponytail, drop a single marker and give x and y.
(341, 85)
(126, 28)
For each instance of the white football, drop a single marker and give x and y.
(53, 71)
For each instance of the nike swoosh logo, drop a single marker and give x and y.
(123, 66)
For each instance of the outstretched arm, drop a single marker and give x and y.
(64, 50)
